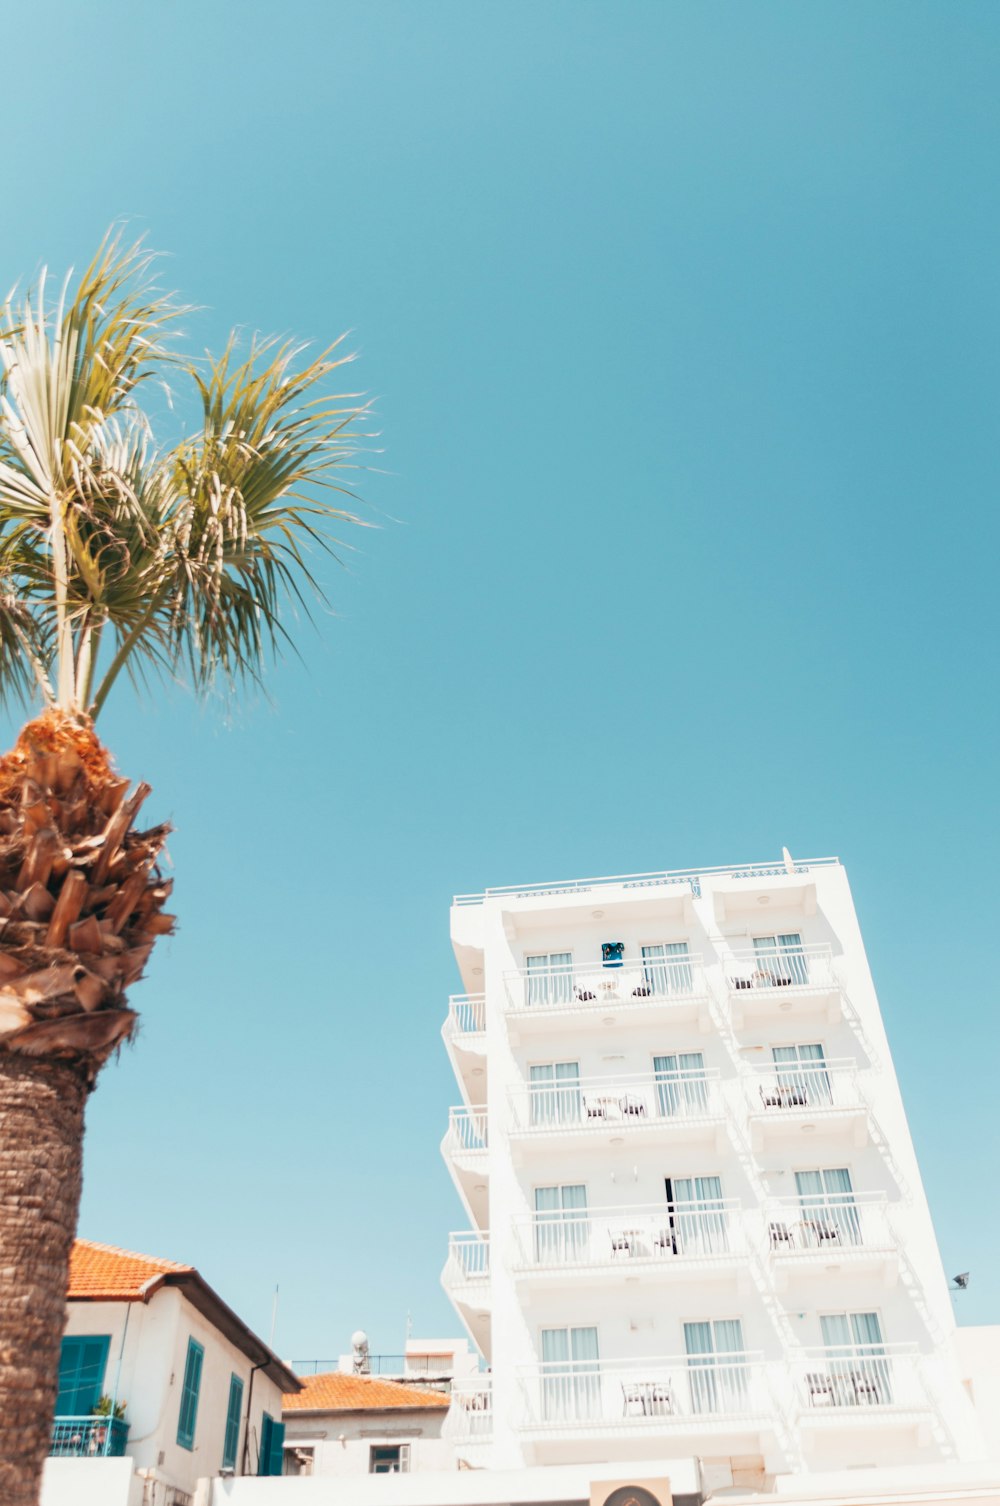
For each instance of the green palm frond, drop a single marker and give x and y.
(116, 556)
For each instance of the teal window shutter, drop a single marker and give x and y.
(233, 1414)
(82, 1362)
(189, 1394)
(272, 1446)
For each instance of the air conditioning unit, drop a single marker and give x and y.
(630, 1493)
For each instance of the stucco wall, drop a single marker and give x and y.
(342, 1441)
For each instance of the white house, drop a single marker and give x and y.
(200, 1394)
(350, 1425)
(696, 1222)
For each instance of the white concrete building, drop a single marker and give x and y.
(200, 1394)
(697, 1228)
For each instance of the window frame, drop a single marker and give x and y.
(185, 1435)
(79, 1340)
(402, 1451)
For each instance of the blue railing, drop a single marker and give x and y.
(88, 1437)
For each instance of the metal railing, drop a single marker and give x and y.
(470, 1416)
(468, 1258)
(797, 968)
(861, 1378)
(467, 1131)
(402, 1367)
(803, 1087)
(829, 1225)
(467, 1014)
(625, 1394)
(662, 1235)
(582, 985)
(628, 1102)
(88, 1437)
(690, 876)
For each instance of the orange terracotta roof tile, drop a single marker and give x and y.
(103, 1271)
(334, 1392)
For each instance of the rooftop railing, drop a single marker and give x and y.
(690, 877)
(626, 1102)
(88, 1437)
(658, 1235)
(650, 1393)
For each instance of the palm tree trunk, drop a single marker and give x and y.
(41, 1131)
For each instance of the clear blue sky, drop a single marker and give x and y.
(683, 323)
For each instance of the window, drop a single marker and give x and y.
(571, 1374)
(555, 1093)
(82, 1361)
(272, 1440)
(389, 1459)
(781, 959)
(233, 1414)
(860, 1369)
(802, 1075)
(716, 1365)
(561, 1225)
(667, 969)
(550, 978)
(680, 1084)
(698, 1222)
(189, 1394)
(829, 1213)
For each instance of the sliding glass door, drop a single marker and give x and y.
(716, 1365)
(680, 1084)
(571, 1379)
(561, 1226)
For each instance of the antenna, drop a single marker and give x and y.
(274, 1317)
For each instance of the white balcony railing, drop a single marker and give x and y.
(468, 1260)
(470, 1416)
(688, 877)
(626, 1102)
(859, 1380)
(844, 1224)
(685, 1390)
(467, 1132)
(803, 1087)
(686, 1234)
(466, 1014)
(584, 986)
(796, 968)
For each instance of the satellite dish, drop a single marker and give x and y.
(786, 858)
(359, 1340)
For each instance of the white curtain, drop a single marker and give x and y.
(680, 1083)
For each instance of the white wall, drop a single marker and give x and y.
(978, 1348)
(342, 1441)
(149, 1343)
(90, 1482)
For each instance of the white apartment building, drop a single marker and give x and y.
(696, 1221)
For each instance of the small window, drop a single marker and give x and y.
(233, 1414)
(389, 1459)
(82, 1362)
(189, 1394)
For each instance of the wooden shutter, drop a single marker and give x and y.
(188, 1416)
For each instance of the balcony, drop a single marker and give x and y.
(464, 1035)
(787, 1100)
(465, 1150)
(763, 985)
(686, 1396)
(865, 1385)
(686, 1241)
(847, 1232)
(470, 1417)
(466, 1279)
(662, 990)
(88, 1438)
(686, 1106)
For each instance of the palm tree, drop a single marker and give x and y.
(115, 556)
